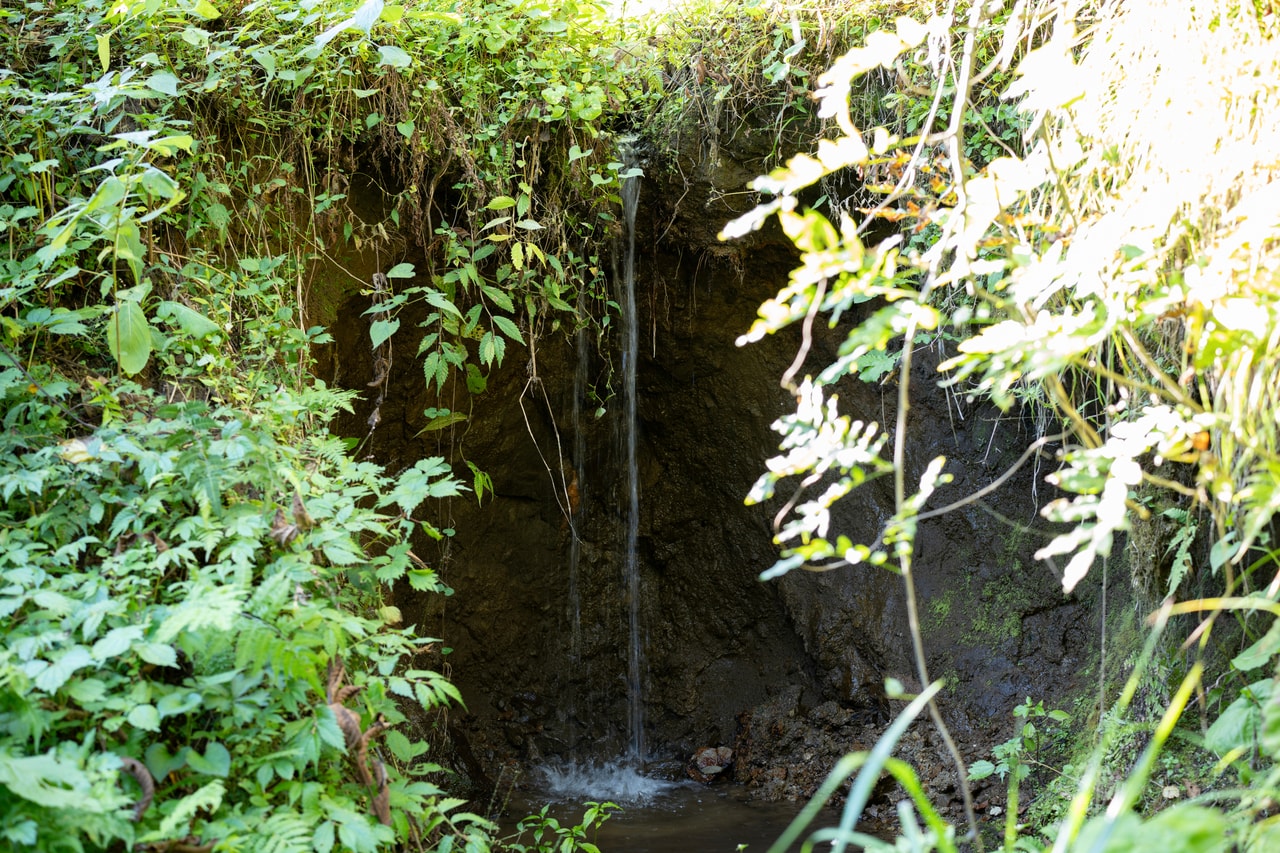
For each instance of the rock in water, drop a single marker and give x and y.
(709, 764)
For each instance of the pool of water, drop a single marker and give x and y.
(661, 816)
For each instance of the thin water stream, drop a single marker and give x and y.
(631, 567)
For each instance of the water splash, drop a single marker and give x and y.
(620, 783)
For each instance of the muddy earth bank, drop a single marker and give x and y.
(788, 673)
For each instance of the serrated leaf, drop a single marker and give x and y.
(207, 798)
(492, 348)
(144, 717)
(157, 654)
(329, 730)
(48, 781)
(380, 330)
(61, 670)
(399, 745)
(129, 337)
(979, 770)
(86, 691)
(499, 297)
(442, 421)
(116, 642)
(323, 839)
(508, 328)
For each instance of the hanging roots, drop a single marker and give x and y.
(370, 769)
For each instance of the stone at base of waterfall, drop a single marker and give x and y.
(709, 764)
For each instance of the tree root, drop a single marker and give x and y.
(372, 772)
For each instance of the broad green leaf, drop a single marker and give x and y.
(399, 745)
(1260, 652)
(104, 50)
(979, 770)
(206, 10)
(58, 672)
(402, 270)
(330, 732)
(323, 839)
(394, 57)
(1269, 732)
(161, 763)
(366, 16)
(1237, 726)
(116, 642)
(170, 145)
(501, 202)
(188, 320)
(129, 337)
(144, 717)
(443, 421)
(164, 82)
(405, 128)
(179, 702)
(380, 330)
(157, 654)
(87, 691)
(216, 761)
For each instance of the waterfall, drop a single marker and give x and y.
(621, 780)
(631, 568)
(578, 484)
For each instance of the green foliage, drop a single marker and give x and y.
(186, 552)
(547, 833)
(1142, 320)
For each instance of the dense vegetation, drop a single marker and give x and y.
(200, 650)
(195, 571)
(1113, 272)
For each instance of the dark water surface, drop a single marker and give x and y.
(674, 817)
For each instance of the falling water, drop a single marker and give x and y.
(621, 781)
(574, 490)
(631, 568)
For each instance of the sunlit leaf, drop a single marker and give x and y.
(129, 337)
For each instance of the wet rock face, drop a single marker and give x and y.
(793, 670)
